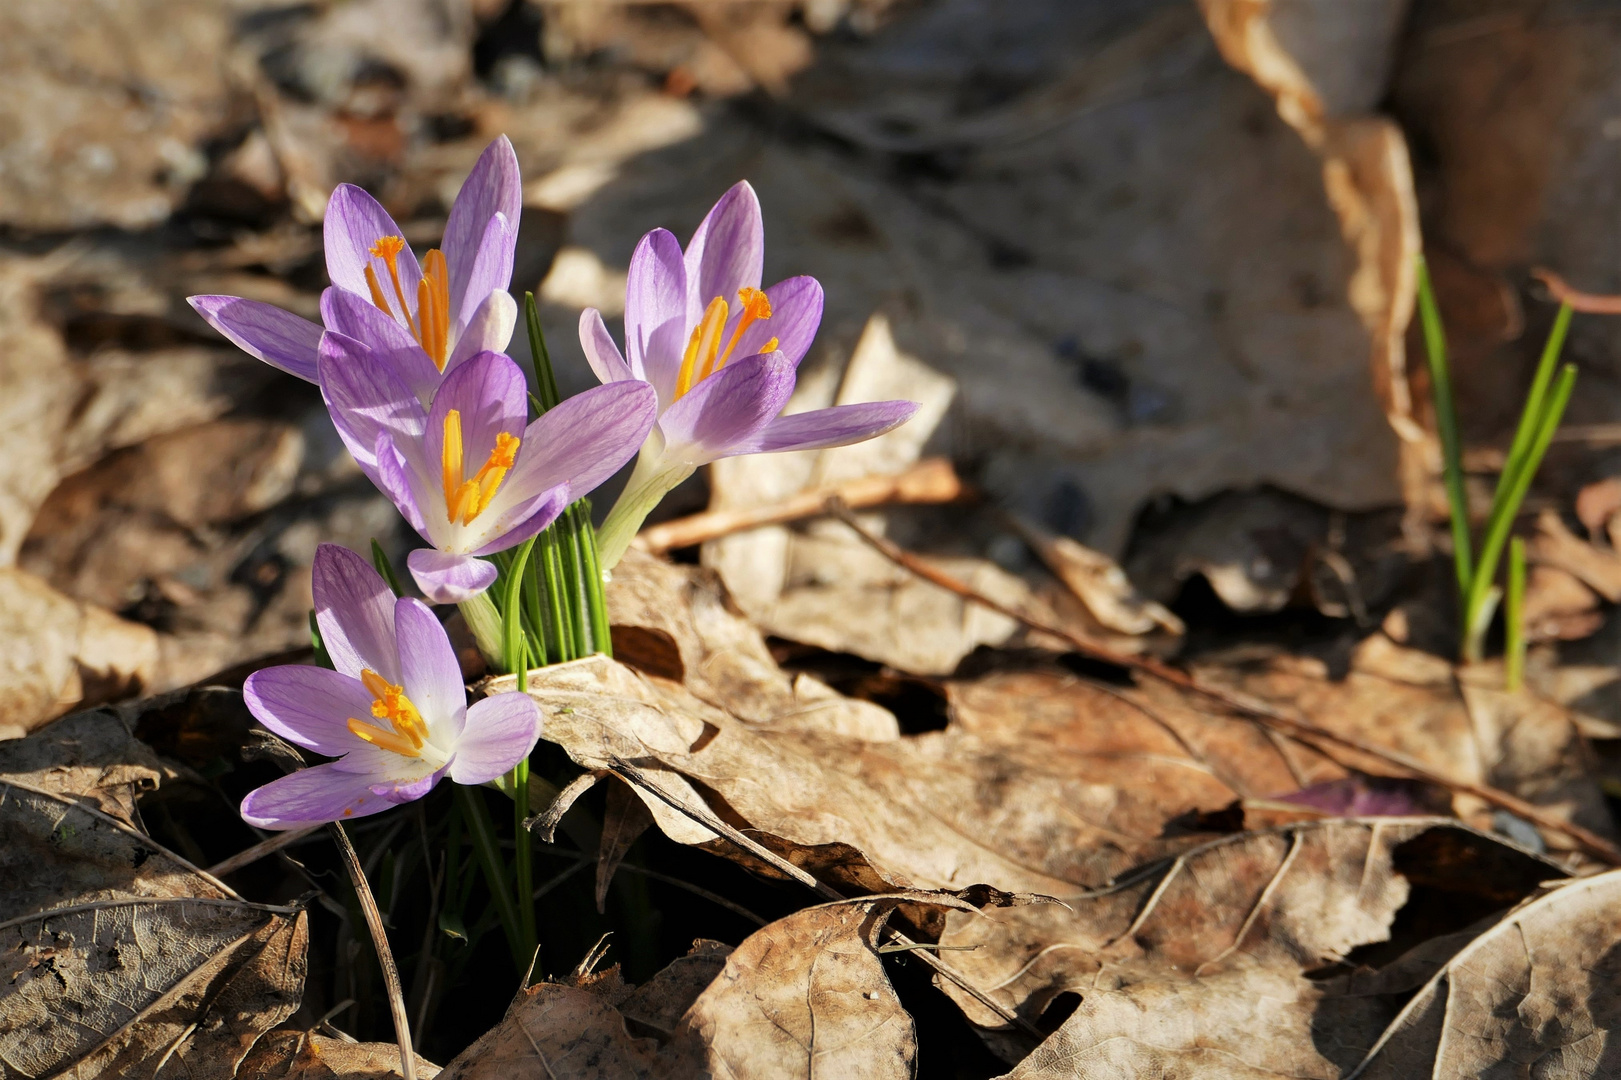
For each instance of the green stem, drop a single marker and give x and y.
(379, 558)
(1446, 425)
(596, 601)
(1532, 415)
(1514, 618)
(482, 830)
(1505, 510)
(649, 483)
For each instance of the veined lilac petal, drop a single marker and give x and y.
(727, 409)
(313, 796)
(432, 676)
(727, 253)
(490, 394)
(822, 428)
(600, 351)
(489, 329)
(408, 789)
(357, 317)
(354, 608)
(494, 186)
(397, 477)
(308, 706)
(279, 338)
(449, 579)
(655, 298)
(491, 270)
(500, 732)
(354, 222)
(513, 526)
(365, 397)
(796, 312)
(581, 442)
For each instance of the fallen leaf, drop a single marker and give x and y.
(1535, 993)
(90, 755)
(1200, 964)
(623, 822)
(304, 1055)
(1555, 545)
(122, 957)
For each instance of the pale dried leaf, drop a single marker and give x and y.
(623, 822)
(302, 1055)
(122, 954)
(1199, 965)
(1555, 545)
(88, 755)
(1533, 995)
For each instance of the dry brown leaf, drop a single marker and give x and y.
(804, 996)
(89, 755)
(302, 1055)
(1534, 995)
(57, 654)
(1555, 545)
(624, 820)
(1199, 966)
(121, 956)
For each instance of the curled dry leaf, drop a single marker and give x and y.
(1199, 966)
(804, 996)
(91, 756)
(302, 1055)
(117, 956)
(1534, 994)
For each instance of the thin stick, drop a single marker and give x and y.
(1307, 732)
(1585, 302)
(268, 846)
(931, 480)
(385, 956)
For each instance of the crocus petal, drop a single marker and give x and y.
(600, 351)
(405, 484)
(500, 732)
(727, 409)
(354, 608)
(821, 428)
(514, 526)
(727, 252)
(313, 796)
(308, 706)
(491, 270)
(796, 312)
(489, 329)
(408, 789)
(354, 222)
(279, 338)
(449, 579)
(490, 394)
(365, 398)
(492, 187)
(431, 675)
(357, 317)
(656, 310)
(580, 443)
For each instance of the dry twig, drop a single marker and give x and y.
(268, 846)
(931, 480)
(385, 956)
(1295, 727)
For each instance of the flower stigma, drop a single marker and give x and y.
(431, 327)
(704, 345)
(406, 733)
(466, 499)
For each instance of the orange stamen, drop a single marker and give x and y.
(376, 287)
(390, 703)
(756, 305)
(467, 499)
(388, 249)
(388, 740)
(703, 345)
(436, 334)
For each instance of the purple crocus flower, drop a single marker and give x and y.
(721, 354)
(423, 319)
(466, 472)
(394, 713)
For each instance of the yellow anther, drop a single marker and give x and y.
(702, 346)
(466, 499)
(770, 345)
(756, 305)
(388, 249)
(388, 740)
(390, 703)
(433, 307)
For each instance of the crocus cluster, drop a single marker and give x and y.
(410, 364)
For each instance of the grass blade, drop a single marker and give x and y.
(1514, 618)
(379, 559)
(1446, 425)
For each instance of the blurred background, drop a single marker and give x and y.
(1149, 264)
